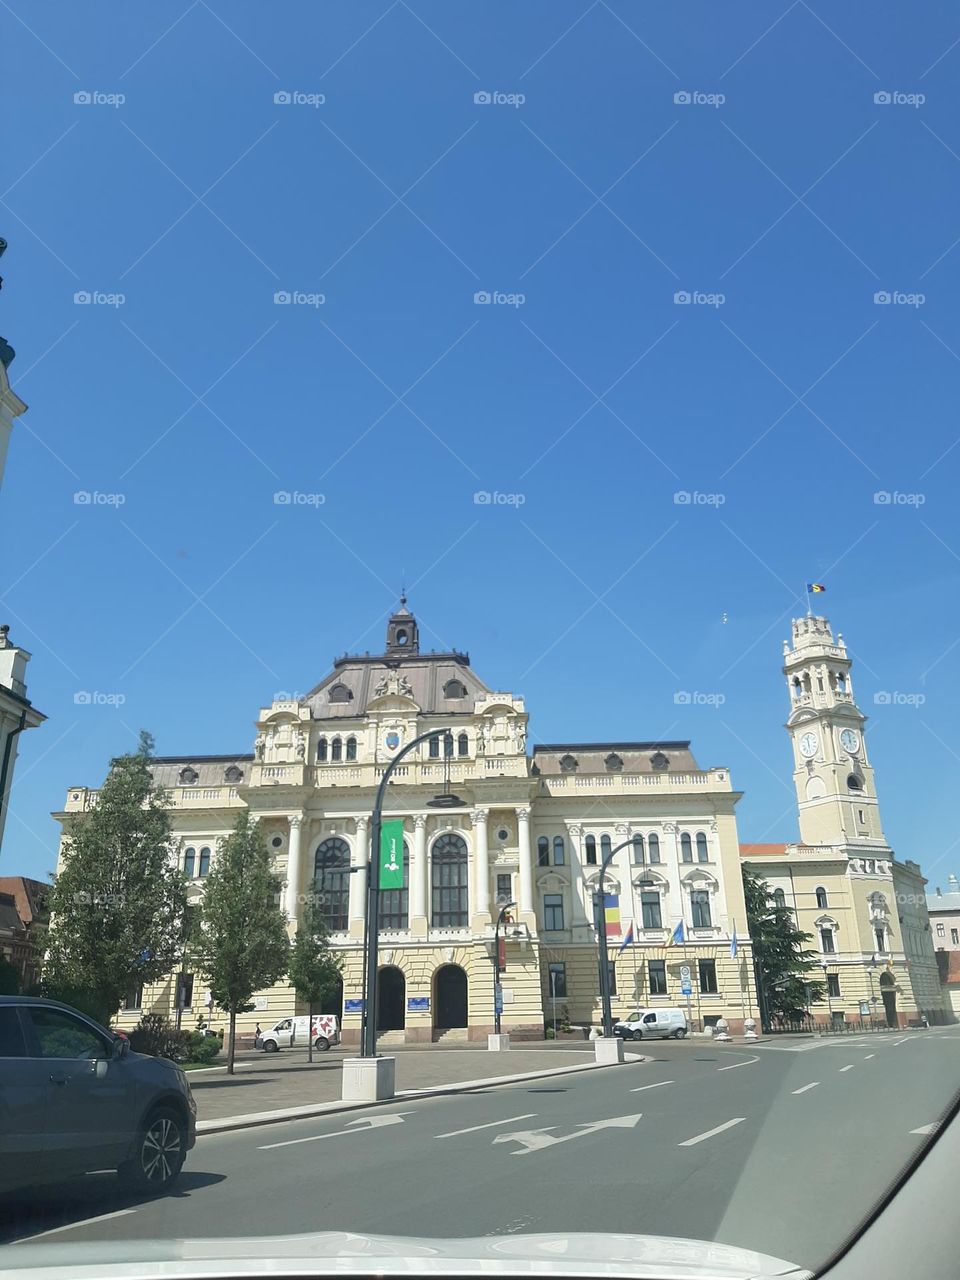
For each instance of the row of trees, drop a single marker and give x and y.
(121, 917)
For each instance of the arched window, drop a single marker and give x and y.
(321, 751)
(700, 909)
(339, 693)
(658, 761)
(686, 848)
(559, 853)
(638, 849)
(189, 863)
(449, 882)
(703, 854)
(543, 851)
(841, 682)
(233, 774)
(203, 867)
(463, 745)
(188, 777)
(454, 689)
(779, 898)
(855, 782)
(394, 902)
(822, 897)
(653, 847)
(613, 763)
(336, 749)
(434, 745)
(605, 847)
(591, 847)
(568, 764)
(351, 748)
(797, 687)
(331, 880)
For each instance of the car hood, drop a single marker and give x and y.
(349, 1253)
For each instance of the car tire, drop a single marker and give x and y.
(321, 1043)
(270, 1046)
(160, 1152)
(679, 1033)
(636, 1035)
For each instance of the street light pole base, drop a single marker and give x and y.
(496, 1044)
(608, 1050)
(368, 1079)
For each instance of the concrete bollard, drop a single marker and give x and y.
(608, 1050)
(721, 1031)
(368, 1079)
(497, 1044)
(750, 1029)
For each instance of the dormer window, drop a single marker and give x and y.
(568, 764)
(659, 761)
(339, 693)
(188, 777)
(454, 689)
(233, 774)
(613, 762)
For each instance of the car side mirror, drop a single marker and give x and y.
(100, 1067)
(121, 1047)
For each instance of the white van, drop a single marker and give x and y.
(651, 1024)
(290, 1032)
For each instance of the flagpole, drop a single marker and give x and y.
(633, 944)
(743, 999)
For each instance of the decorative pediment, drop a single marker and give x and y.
(550, 883)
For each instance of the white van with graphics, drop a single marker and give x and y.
(650, 1024)
(290, 1032)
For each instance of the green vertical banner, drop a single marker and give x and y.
(391, 855)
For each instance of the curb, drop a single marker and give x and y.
(255, 1119)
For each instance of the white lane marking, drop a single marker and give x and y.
(868, 1055)
(739, 1064)
(640, 1088)
(82, 1222)
(903, 1041)
(702, 1137)
(538, 1139)
(805, 1087)
(455, 1133)
(848, 1067)
(368, 1123)
(925, 1128)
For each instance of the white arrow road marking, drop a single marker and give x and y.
(492, 1125)
(702, 1137)
(813, 1084)
(925, 1128)
(738, 1064)
(368, 1122)
(848, 1067)
(640, 1088)
(537, 1139)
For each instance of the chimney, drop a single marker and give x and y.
(953, 884)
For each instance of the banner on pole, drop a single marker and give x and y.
(391, 855)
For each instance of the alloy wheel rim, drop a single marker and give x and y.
(161, 1148)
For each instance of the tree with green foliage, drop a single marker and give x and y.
(241, 944)
(118, 901)
(782, 960)
(314, 969)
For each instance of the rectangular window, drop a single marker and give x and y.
(940, 931)
(11, 1035)
(954, 936)
(708, 977)
(700, 909)
(833, 984)
(134, 997)
(504, 887)
(826, 941)
(612, 977)
(657, 971)
(185, 991)
(552, 911)
(650, 908)
(557, 979)
(881, 939)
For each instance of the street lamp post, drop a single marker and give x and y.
(601, 924)
(368, 1045)
(826, 981)
(497, 993)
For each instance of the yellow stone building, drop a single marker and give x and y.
(865, 909)
(528, 828)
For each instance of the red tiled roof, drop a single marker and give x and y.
(762, 850)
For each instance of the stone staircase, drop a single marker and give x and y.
(388, 1039)
(453, 1035)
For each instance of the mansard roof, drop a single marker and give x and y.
(637, 757)
(427, 674)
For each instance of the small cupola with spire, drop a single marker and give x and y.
(402, 637)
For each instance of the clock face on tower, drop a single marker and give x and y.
(850, 741)
(808, 745)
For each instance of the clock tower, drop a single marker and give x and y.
(834, 779)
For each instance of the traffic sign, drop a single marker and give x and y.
(686, 989)
(684, 973)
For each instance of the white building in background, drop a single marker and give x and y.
(17, 713)
(528, 828)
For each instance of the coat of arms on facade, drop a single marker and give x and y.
(392, 739)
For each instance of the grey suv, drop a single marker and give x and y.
(74, 1098)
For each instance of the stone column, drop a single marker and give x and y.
(526, 865)
(418, 875)
(291, 903)
(481, 904)
(358, 880)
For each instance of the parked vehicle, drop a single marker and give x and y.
(289, 1032)
(75, 1098)
(652, 1024)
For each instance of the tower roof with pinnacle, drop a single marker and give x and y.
(813, 639)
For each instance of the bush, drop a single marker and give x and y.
(201, 1048)
(157, 1036)
(548, 1033)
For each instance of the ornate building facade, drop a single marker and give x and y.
(865, 909)
(527, 828)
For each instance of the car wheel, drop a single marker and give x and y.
(679, 1033)
(160, 1153)
(270, 1046)
(637, 1035)
(321, 1043)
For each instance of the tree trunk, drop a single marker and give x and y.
(233, 1041)
(310, 1031)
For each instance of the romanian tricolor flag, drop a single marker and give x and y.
(814, 588)
(627, 940)
(611, 914)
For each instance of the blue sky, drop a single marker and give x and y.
(776, 192)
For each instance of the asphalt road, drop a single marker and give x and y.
(775, 1148)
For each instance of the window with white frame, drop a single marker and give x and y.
(650, 913)
(828, 943)
(552, 912)
(700, 909)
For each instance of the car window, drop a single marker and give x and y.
(284, 1025)
(60, 1035)
(651, 1017)
(12, 1044)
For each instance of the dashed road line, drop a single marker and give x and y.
(813, 1084)
(455, 1133)
(848, 1067)
(702, 1137)
(81, 1222)
(640, 1088)
(739, 1064)
(868, 1055)
(925, 1128)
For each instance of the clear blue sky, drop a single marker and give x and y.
(597, 399)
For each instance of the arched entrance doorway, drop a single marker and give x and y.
(888, 990)
(334, 1001)
(391, 990)
(450, 998)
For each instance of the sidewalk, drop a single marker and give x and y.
(286, 1081)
